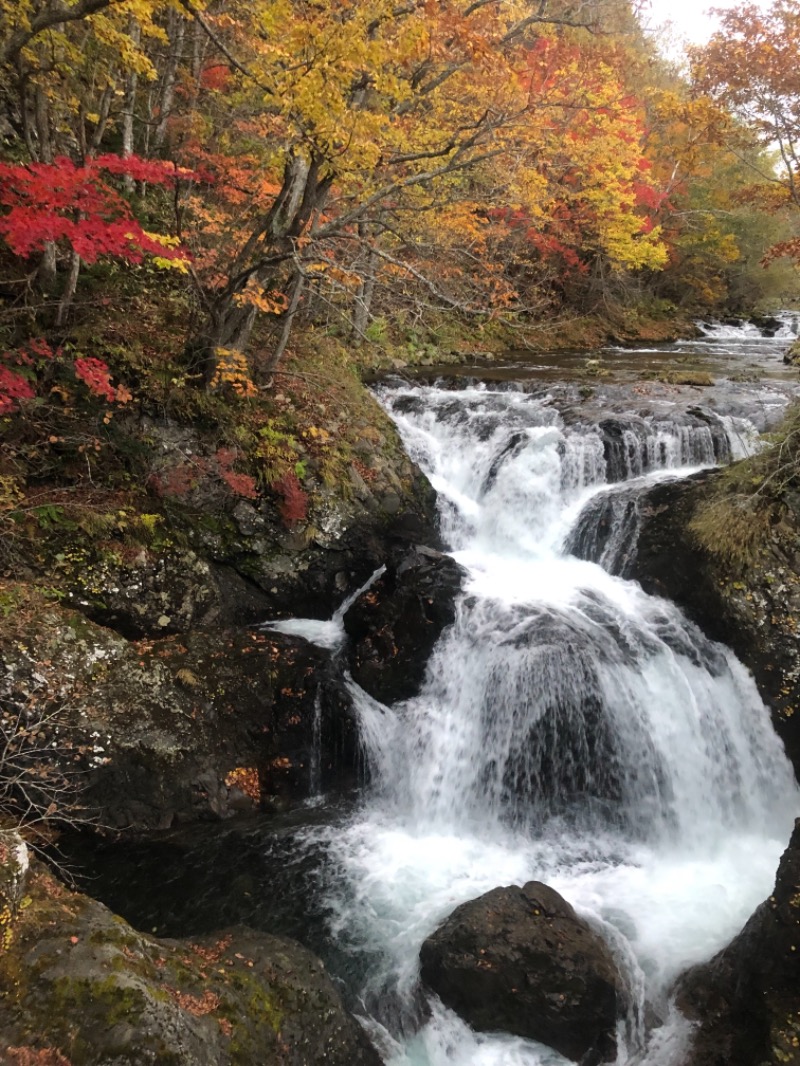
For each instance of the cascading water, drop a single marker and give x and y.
(571, 729)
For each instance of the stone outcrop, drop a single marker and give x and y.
(746, 1001)
(247, 553)
(154, 732)
(520, 960)
(80, 987)
(155, 593)
(394, 625)
(754, 609)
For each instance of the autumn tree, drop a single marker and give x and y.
(343, 135)
(751, 66)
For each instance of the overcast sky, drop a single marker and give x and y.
(690, 20)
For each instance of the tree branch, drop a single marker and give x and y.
(54, 14)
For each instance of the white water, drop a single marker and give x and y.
(571, 729)
(325, 633)
(788, 329)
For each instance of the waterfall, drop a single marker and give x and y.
(783, 325)
(570, 728)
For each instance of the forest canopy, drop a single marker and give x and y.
(269, 164)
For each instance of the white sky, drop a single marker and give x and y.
(683, 21)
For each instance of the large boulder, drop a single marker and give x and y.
(751, 606)
(746, 1001)
(394, 625)
(80, 987)
(351, 518)
(191, 541)
(522, 961)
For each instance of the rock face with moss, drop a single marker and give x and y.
(746, 1001)
(749, 600)
(195, 541)
(82, 983)
(145, 734)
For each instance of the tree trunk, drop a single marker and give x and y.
(176, 31)
(70, 286)
(129, 108)
(363, 300)
(272, 241)
(287, 321)
(47, 264)
(104, 111)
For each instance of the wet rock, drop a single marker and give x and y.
(170, 591)
(394, 625)
(277, 703)
(754, 608)
(298, 572)
(767, 324)
(193, 727)
(746, 1001)
(520, 960)
(77, 978)
(607, 530)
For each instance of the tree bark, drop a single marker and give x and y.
(129, 108)
(366, 290)
(176, 32)
(70, 287)
(288, 319)
(48, 266)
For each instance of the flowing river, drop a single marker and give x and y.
(571, 729)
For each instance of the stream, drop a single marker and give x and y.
(571, 729)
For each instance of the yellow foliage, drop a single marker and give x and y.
(269, 302)
(232, 372)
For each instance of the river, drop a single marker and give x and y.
(571, 729)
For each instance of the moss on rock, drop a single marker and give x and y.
(77, 978)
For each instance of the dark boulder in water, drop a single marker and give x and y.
(747, 999)
(520, 960)
(394, 625)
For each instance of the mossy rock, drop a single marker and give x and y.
(198, 726)
(699, 378)
(77, 978)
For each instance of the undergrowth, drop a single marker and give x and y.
(752, 497)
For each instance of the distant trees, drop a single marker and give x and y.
(751, 68)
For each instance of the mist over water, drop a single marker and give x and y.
(571, 729)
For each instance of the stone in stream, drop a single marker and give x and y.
(80, 987)
(394, 625)
(747, 999)
(520, 960)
